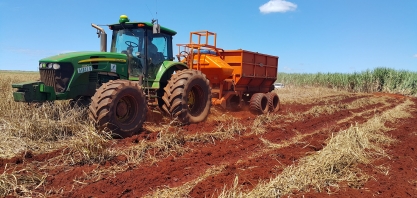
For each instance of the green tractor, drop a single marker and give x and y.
(139, 71)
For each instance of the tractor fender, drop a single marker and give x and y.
(165, 71)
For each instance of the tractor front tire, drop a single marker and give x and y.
(258, 104)
(119, 106)
(187, 96)
(273, 102)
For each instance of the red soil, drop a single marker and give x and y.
(245, 157)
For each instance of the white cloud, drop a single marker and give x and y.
(415, 56)
(277, 6)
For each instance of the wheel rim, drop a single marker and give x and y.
(191, 99)
(125, 109)
(275, 102)
(195, 100)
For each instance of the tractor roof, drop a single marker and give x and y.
(131, 25)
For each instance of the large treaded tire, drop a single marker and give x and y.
(119, 106)
(258, 104)
(187, 96)
(273, 102)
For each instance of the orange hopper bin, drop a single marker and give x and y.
(232, 73)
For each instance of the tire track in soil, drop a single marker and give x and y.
(171, 171)
(398, 177)
(272, 162)
(297, 107)
(175, 171)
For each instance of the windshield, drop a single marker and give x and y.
(133, 43)
(127, 39)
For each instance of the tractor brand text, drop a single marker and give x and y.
(86, 68)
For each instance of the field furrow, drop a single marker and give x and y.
(321, 141)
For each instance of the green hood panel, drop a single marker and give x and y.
(165, 71)
(67, 57)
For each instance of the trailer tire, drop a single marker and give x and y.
(273, 101)
(187, 96)
(258, 104)
(246, 97)
(118, 106)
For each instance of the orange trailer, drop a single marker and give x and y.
(235, 76)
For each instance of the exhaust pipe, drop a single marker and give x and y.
(103, 37)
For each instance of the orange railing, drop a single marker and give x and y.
(205, 40)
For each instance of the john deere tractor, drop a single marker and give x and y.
(118, 86)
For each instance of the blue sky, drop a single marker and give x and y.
(309, 36)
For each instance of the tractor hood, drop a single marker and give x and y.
(68, 57)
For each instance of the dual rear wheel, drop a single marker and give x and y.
(120, 106)
(261, 103)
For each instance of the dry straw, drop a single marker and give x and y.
(335, 163)
(44, 127)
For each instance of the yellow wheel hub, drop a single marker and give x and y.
(191, 98)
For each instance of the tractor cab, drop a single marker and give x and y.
(146, 49)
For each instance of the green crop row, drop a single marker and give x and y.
(376, 80)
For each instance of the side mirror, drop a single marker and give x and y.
(156, 28)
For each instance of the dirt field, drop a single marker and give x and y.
(237, 150)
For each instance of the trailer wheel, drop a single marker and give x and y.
(246, 97)
(119, 106)
(187, 96)
(258, 103)
(273, 101)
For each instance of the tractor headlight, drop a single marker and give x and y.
(50, 65)
(40, 65)
(56, 66)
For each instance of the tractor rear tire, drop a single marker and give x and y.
(273, 102)
(119, 106)
(258, 104)
(187, 96)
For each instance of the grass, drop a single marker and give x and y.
(376, 80)
(228, 127)
(21, 182)
(184, 190)
(47, 127)
(335, 163)
(44, 127)
(168, 142)
(261, 121)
